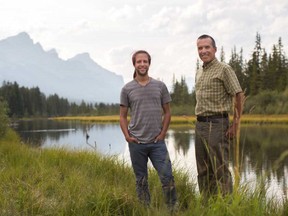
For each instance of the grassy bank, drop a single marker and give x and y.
(246, 119)
(55, 182)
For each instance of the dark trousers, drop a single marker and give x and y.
(212, 157)
(159, 156)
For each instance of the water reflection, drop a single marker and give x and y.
(183, 139)
(261, 151)
(260, 147)
(106, 138)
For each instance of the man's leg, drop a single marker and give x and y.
(139, 159)
(220, 155)
(160, 159)
(205, 172)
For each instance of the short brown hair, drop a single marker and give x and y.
(208, 36)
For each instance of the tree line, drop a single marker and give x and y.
(31, 102)
(264, 78)
(263, 71)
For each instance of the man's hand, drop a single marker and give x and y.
(159, 137)
(232, 131)
(132, 140)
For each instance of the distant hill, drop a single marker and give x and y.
(78, 78)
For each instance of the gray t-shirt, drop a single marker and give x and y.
(145, 103)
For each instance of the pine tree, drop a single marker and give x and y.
(236, 62)
(253, 69)
(222, 55)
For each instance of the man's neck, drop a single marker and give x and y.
(207, 63)
(142, 80)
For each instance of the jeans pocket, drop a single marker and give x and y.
(160, 142)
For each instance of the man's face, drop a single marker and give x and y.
(141, 64)
(206, 51)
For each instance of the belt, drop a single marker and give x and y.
(212, 118)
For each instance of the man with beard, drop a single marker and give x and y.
(148, 100)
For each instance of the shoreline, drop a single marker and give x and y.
(178, 120)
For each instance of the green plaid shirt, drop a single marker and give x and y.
(216, 85)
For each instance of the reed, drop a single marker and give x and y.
(38, 181)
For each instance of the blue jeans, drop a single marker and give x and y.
(159, 156)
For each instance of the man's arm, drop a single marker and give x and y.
(238, 108)
(124, 125)
(165, 123)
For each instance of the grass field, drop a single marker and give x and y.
(58, 182)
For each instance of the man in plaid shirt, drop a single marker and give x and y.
(216, 87)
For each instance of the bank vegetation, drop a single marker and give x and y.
(55, 182)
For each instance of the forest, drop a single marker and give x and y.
(264, 79)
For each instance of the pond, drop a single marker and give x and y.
(261, 147)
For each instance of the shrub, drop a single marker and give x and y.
(4, 120)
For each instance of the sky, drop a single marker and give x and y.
(111, 30)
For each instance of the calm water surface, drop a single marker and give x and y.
(260, 147)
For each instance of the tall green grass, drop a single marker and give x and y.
(61, 182)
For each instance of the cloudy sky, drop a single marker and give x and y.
(111, 30)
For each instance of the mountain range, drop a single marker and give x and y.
(78, 78)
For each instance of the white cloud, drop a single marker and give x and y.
(111, 30)
(126, 12)
(162, 19)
